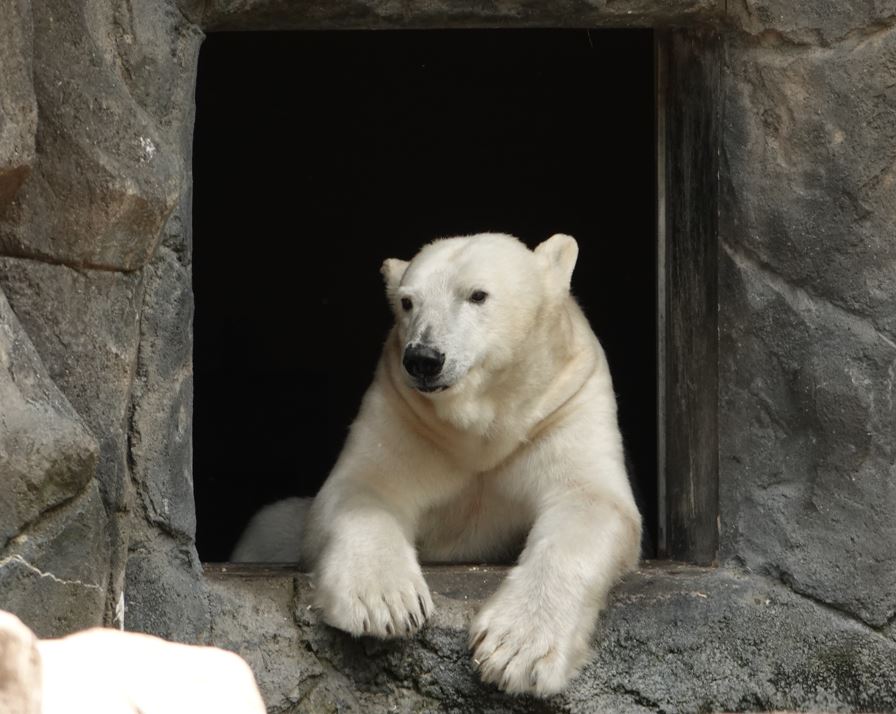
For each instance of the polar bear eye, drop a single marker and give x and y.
(478, 296)
(406, 303)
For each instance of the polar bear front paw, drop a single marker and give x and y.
(377, 599)
(523, 657)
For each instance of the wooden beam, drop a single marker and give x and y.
(692, 104)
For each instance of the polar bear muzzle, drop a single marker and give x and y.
(424, 364)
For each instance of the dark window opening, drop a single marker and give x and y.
(317, 155)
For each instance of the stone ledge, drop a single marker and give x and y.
(675, 638)
(221, 15)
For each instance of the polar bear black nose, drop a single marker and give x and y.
(421, 361)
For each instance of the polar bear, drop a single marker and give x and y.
(490, 426)
(274, 533)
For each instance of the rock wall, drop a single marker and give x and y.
(808, 302)
(96, 517)
(18, 108)
(95, 151)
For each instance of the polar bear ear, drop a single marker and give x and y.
(393, 270)
(559, 253)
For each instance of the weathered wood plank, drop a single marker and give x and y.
(691, 333)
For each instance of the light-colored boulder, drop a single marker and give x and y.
(104, 671)
(20, 674)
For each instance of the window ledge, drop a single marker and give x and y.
(674, 637)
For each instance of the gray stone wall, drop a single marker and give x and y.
(93, 246)
(807, 256)
(97, 522)
(18, 109)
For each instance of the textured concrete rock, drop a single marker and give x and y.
(57, 602)
(85, 326)
(682, 640)
(18, 108)
(811, 177)
(377, 14)
(820, 23)
(71, 541)
(164, 592)
(20, 668)
(815, 502)
(160, 429)
(726, 642)
(164, 589)
(47, 455)
(114, 85)
(808, 320)
(54, 548)
(270, 641)
(177, 235)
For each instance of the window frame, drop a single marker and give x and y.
(688, 116)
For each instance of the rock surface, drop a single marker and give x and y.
(56, 575)
(18, 107)
(85, 326)
(164, 592)
(54, 548)
(160, 446)
(47, 454)
(114, 85)
(218, 15)
(818, 23)
(673, 639)
(808, 318)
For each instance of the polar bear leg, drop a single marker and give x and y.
(274, 534)
(367, 578)
(533, 635)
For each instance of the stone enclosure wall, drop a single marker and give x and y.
(96, 513)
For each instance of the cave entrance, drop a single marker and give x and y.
(319, 154)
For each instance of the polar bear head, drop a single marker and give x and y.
(470, 305)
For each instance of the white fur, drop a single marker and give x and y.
(522, 447)
(274, 534)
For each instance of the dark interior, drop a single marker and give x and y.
(319, 154)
